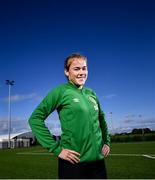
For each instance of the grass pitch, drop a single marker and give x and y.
(132, 161)
(126, 161)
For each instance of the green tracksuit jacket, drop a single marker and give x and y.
(83, 125)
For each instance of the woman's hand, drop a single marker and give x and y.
(69, 155)
(105, 150)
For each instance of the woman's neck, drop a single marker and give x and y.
(79, 87)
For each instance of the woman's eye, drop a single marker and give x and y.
(76, 69)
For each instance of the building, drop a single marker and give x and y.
(17, 140)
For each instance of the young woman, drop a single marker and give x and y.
(84, 140)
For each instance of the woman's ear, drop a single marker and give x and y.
(66, 73)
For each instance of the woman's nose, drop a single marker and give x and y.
(81, 71)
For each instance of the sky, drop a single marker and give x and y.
(117, 37)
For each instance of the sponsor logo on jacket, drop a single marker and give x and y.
(94, 102)
(76, 100)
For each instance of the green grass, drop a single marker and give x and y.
(131, 167)
(27, 166)
(35, 163)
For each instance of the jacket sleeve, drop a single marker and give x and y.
(38, 117)
(103, 124)
(104, 127)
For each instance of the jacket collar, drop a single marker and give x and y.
(70, 83)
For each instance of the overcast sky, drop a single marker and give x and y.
(117, 36)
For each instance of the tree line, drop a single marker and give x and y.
(141, 134)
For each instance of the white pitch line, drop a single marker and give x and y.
(32, 153)
(148, 156)
(151, 156)
(125, 154)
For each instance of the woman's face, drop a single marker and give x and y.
(77, 72)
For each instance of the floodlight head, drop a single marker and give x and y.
(10, 82)
(7, 81)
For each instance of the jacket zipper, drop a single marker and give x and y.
(91, 128)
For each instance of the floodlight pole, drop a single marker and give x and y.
(112, 126)
(140, 116)
(9, 83)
